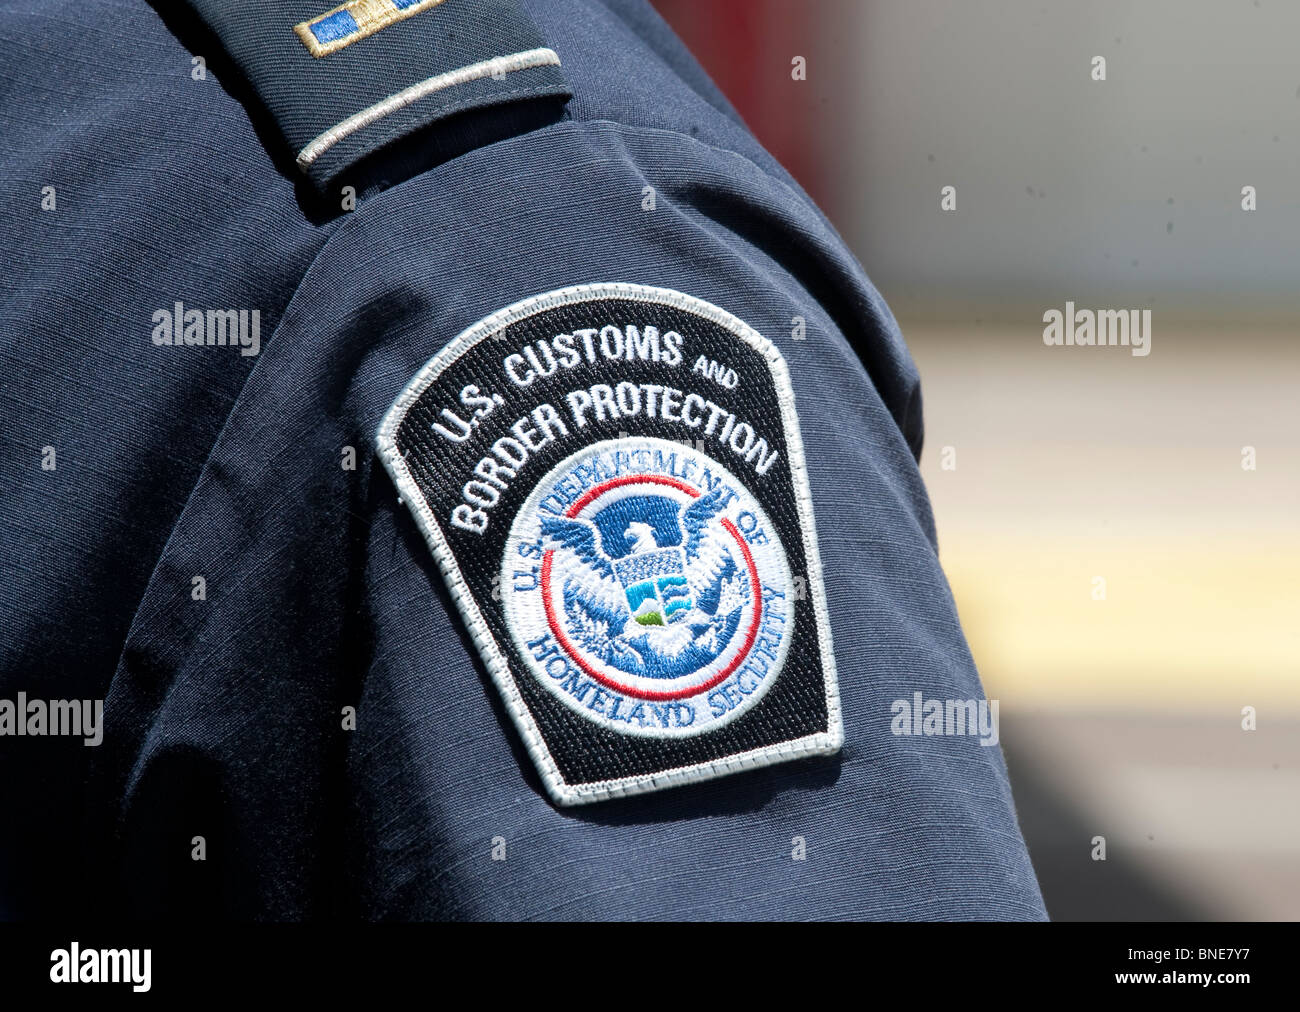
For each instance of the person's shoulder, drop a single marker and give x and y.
(370, 91)
(362, 96)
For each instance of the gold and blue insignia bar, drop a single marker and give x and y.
(353, 21)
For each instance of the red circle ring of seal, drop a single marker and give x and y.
(605, 680)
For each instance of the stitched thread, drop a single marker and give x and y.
(366, 17)
(407, 96)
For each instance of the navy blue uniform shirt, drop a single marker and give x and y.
(201, 557)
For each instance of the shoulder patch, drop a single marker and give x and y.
(612, 481)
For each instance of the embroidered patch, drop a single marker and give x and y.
(353, 21)
(612, 481)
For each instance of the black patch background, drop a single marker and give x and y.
(795, 706)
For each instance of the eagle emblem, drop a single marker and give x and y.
(651, 586)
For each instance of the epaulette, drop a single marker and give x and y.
(347, 84)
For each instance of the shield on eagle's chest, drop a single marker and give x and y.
(655, 585)
(642, 535)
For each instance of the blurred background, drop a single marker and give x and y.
(1121, 701)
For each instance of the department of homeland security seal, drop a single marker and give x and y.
(611, 479)
(647, 589)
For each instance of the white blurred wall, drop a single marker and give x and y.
(1066, 186)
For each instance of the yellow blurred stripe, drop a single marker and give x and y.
(1187, 622)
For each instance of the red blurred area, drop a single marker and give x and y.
(747, 46)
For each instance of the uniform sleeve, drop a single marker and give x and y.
(336, 714)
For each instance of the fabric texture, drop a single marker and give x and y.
(224, 716)
(393, 77)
